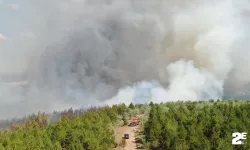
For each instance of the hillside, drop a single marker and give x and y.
(175, 125)
(197, 125)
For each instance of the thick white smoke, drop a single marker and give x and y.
(94, 52)
(189, 83)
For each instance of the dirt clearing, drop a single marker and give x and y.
(119, 133)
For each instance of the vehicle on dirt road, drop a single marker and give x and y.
(126, 136)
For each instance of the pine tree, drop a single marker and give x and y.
(131, 106)
(124, 119)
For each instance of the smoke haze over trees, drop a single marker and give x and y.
(95, 52)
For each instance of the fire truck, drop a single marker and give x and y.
(134, 121)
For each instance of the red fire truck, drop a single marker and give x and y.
(134, 121)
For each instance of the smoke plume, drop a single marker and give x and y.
(95, 52)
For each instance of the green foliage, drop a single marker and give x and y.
(124, 119)
(123, 143)
(175, 126)
(1, 146)
(90, 130)
(197, 125)
(133, 112)
(131, 106)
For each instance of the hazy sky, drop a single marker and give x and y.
(15, 16)
(88, 52)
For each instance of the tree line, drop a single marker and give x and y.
(76, 130)
(80, 129)
(197, 125)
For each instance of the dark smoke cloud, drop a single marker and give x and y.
(89, 52)
(105, 47)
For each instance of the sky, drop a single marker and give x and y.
(16, 17)
(17, 21)
(87, 52)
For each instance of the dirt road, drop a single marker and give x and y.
(131, 145)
